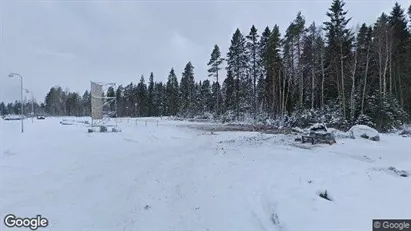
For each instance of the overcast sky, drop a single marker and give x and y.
(70, 43)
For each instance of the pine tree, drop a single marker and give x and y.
(159, 99)
(273, 77)
(215, 93)
(311, 62)
(400, 56)
(264, 67)
(253, 51)
(364, 38)
(229, 96)
(142, 103)
(237, 63)
(214, 67)
(187, 91)
(205, 95)
(172, 94)
(339, 39)
(3, 109)
(120, 101)
(298, 34)
(150, 96)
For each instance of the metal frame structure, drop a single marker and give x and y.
(101, 105)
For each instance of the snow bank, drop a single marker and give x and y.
(406, 131)
(338, 134)
(298, 130)
(363, 131)
(318, 127)
(12, 117)
(103, 129)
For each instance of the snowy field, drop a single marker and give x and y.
(169, 176)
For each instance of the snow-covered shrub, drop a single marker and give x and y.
(364, 131)
(365, 120)
(103, 128)
(116, 130)
(229, 116)
(330, 115)
(385, 113)
(205, 116)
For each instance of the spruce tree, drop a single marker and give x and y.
(3, 109)
(142, 105)
(206, 98)
(120, 101)
(159, 99)
(150, 96)
(172, 94)
(216, 93)
(229, 86)
(187, 90)
(400, 56)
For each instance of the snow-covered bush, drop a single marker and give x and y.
(364, 131)
(103, 128)
(115, 130)
(229, 116)
(365, 120)
(330, 115)
(384, 113)
(205, 116)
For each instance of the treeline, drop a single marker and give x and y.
(313, 72)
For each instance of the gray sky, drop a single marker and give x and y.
(70, 43)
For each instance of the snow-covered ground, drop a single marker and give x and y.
(167, 176)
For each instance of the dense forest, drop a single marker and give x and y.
(324, 72)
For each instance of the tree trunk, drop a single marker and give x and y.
(380, 64)
(312, 85)
(322, 78)
(283, 93)
(353, 88)
(365, 80)
(218, 94)
(385, 66)
(342, 81)
(391, 67)
(273, 99)
(254, 83)
(300, 75)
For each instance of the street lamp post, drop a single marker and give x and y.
(11, 75)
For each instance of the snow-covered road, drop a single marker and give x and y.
(170, 177)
